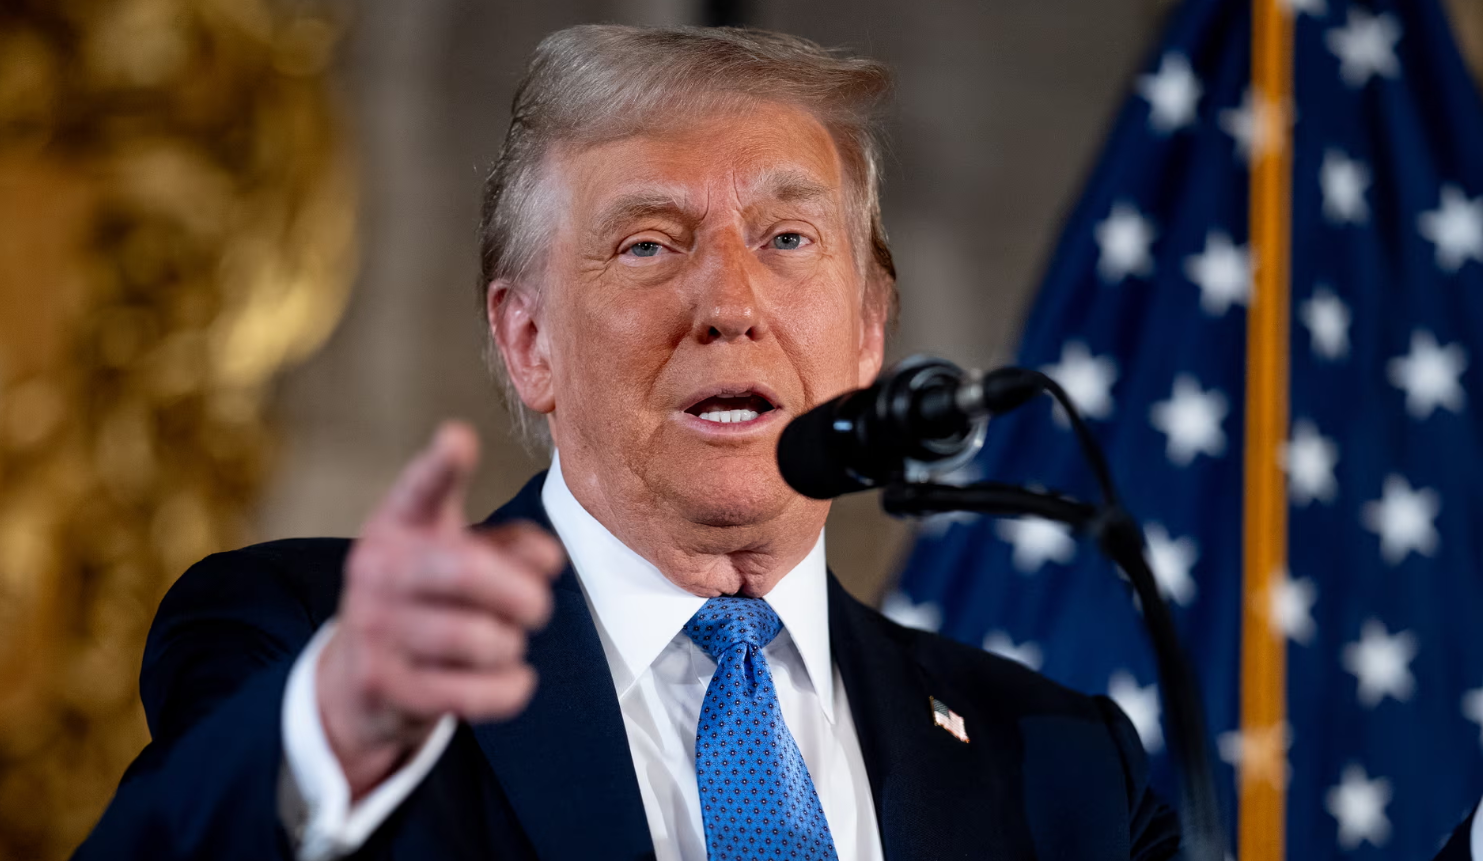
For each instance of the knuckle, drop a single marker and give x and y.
(457, 638)
(542, 605)
(461, 571)
(369, 621)
(511, 693)
(373, 680)
(507, 643)
(450, 572)
(464, 700)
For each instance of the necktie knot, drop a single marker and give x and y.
(724, 622)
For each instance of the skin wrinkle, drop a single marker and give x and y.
(620, 343)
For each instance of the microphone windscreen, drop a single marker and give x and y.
(812, 455)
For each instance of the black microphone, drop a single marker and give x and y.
(924, 415)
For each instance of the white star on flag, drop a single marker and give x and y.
(1087, 379)
(1001, 644)
(1344, 181)
(940, 523)
(1171, 560)
(1472, 709)
(1036, 541)
(1359, 805)
(1365, 46)
(1255, 125)
(1327, 319)
(1429, 375)
(1455, 227)
(1309, 459)
(1290, 608)
(1173, 94)
(1192, 420)
(899, 608)
(1222, 272)
(1382, 663)
(1240, 123)
(1259, 755)
(1403, 517)
(1123, 241)
(1141, 705)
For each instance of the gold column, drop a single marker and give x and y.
(176, 227)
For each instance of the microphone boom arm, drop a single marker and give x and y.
(988, 497)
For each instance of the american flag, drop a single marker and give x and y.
(1143, 319)
(949, 720)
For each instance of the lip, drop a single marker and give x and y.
(732, 389)
(762, 424)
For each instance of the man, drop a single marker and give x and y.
(682, 251)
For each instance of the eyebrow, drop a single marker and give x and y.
(792, 186)
(639, 205)
(785, 186)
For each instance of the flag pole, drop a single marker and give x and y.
(1262, 772)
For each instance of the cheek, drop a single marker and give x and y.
(819, 325)
(619, 342)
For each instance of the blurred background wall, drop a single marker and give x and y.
(133, 129)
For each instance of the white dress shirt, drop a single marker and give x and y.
(660, 678)
(1475, 844)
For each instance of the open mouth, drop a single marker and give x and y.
(731, 409)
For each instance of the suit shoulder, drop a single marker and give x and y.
(970, 668)
(267, 593)
(301, 571)
(230, 616)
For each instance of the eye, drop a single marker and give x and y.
(788, 241)
(644, 249)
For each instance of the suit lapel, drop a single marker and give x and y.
(935, 796)
(564, 762)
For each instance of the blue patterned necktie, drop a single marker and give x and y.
(756, 798)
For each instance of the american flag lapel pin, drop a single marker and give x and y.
(949, 720)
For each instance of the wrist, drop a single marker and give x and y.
(370, 740)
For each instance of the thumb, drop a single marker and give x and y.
(436, 480)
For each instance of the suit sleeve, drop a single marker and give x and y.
(1154, 826)
(215, 666)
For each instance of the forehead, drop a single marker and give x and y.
(761, 151)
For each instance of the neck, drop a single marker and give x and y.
(747, 557)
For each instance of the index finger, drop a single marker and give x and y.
(538, 549)
(436, 480)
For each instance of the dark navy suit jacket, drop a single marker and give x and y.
(1048, 773)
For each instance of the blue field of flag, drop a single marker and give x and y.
(1142, 318)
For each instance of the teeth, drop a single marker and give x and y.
(730, 416)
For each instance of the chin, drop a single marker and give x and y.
(731, 494)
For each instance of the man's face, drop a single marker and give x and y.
(702, 291)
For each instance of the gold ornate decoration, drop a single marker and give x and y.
(176, 227)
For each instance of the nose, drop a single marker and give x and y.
(728, 306)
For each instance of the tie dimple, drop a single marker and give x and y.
(756, 797)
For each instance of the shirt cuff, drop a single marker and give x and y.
(314, 796)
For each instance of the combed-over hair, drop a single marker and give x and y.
(592, 83)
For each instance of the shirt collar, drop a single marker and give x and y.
(639, 611)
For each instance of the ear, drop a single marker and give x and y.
(515, 324)
(872, 341)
